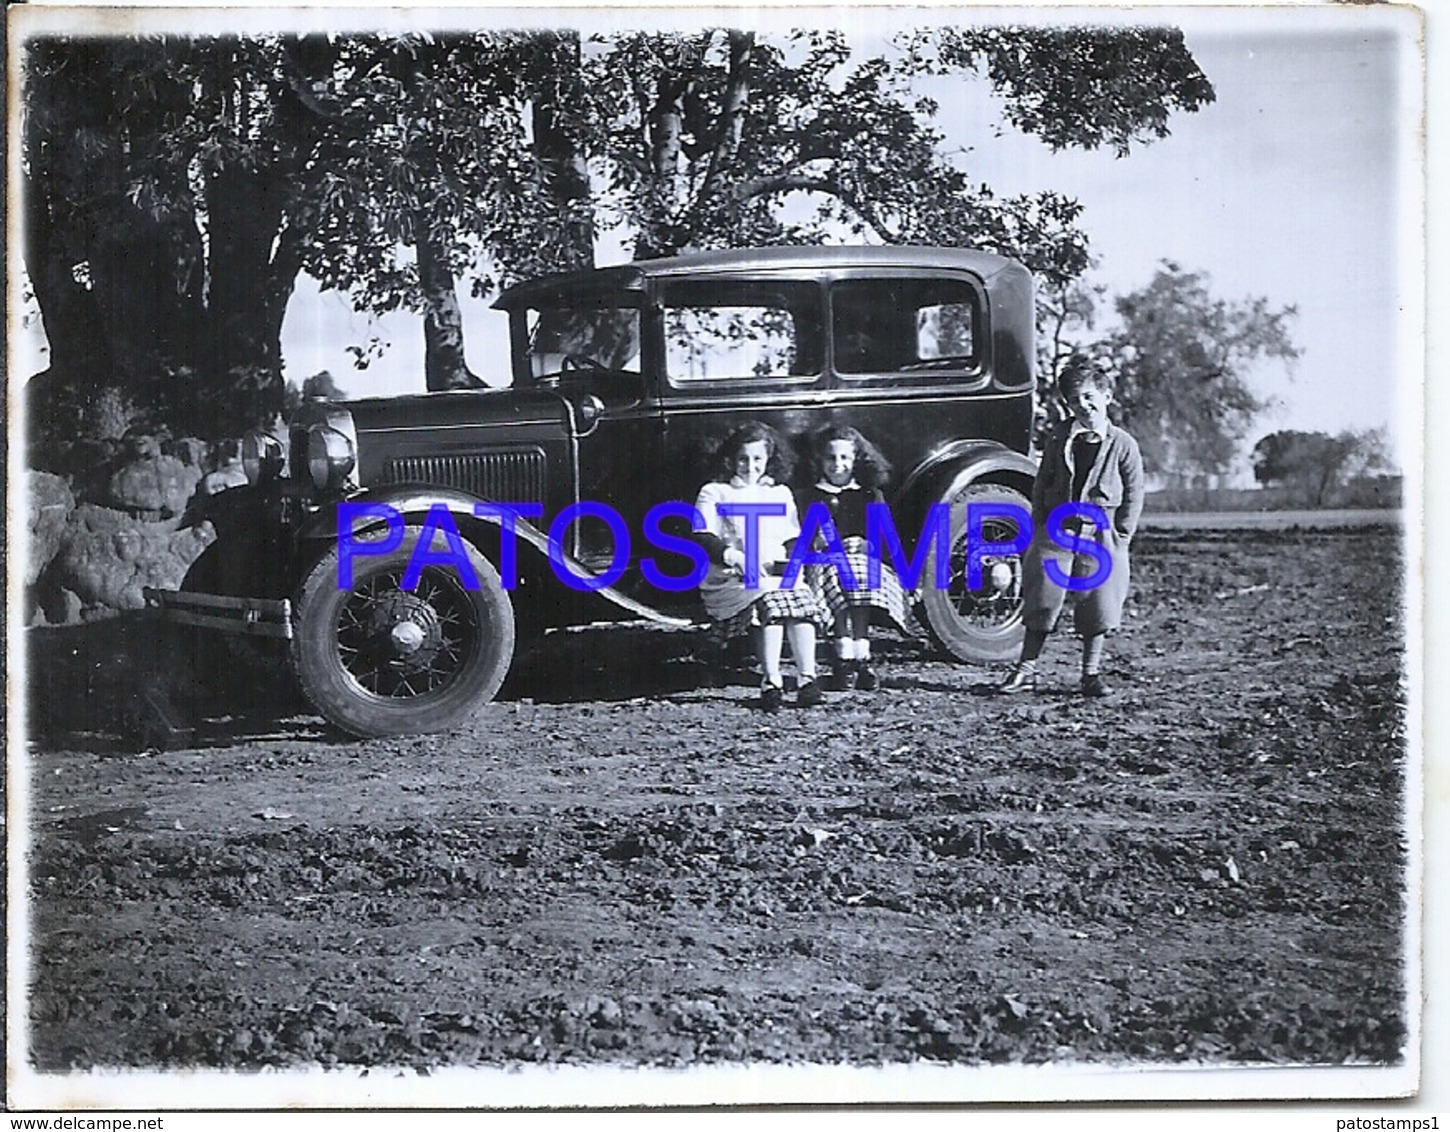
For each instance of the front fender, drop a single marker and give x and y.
(415, 502)
(410, 501)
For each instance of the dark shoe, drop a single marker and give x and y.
(842, 677)
(810, 695)
(1020, 679)
(866, 678)
(1094, 687)
(771, 698)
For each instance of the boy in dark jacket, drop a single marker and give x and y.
(1087, 460)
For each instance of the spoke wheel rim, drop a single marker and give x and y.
(992, 608)
(397, 644)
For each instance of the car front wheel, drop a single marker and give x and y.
(376, 659)
(982, 623)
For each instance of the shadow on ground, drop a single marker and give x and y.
(122, 683)
(107, 685)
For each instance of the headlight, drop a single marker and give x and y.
(330, 458)
(262, 457)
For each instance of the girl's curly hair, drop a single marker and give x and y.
(872, 469)
(779, 465)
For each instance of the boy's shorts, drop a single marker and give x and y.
(1099, 610)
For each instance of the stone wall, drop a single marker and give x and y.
(111, 521)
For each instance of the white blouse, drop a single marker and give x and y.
(773, 531)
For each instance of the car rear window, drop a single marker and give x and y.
(908, 325)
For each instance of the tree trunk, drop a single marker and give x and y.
(560, 149)
(245, 210)
(659, 235)
(80, 357)
(444, 363)
(67, 307)
(286, 266)
(715, 192)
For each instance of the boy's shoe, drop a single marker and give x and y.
(866, 678)
(1094, 686)
(771, 697)
(842, 677)
(810, 695)
(1020, 679)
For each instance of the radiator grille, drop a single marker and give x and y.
(507, 476)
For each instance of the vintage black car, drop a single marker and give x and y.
(624, 380)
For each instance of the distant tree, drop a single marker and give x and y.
(1315, 463)
(321, 386)
(1067, 316)
(1182, 359)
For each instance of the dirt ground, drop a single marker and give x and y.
(623, 864)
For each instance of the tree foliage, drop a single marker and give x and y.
(1081, 87)
(707, 136)
(422, 166)
(159, 179)
(1183, 360)
(175, 187)
(1068, 315)
(1315, 462)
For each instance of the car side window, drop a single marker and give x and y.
(583, 338)
(741, 331)
(907, 325)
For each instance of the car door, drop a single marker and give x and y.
(587, 347)
(911, 361)
(734, 349)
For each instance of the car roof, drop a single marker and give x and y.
(632, 276)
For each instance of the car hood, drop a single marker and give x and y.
(512, 407)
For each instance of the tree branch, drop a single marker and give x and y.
(732, 118)
(802, 182)
(783, 183)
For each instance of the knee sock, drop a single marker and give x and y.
(1092, 653)
(802, 636)
(769, 643)
(1031, 649)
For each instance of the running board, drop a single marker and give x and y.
(639, 609)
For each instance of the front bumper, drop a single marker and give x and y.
(253, 616)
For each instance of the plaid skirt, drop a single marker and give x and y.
(773, 607)
(887, 597)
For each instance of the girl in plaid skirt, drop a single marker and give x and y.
(850, 473)
(753, 463)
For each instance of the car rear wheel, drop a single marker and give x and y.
(376, 659)
(982, 624)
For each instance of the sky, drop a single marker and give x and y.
(1286, 186)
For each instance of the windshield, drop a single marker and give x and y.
(583, 338)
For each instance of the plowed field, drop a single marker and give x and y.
(624, 863)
